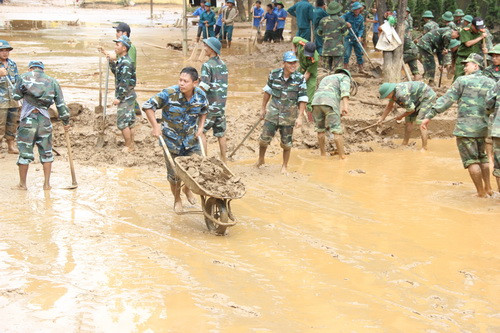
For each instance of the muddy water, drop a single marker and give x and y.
(403, 245)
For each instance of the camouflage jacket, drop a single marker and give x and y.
(409, 21)
(493, 106)
(179, 117)
(429, 26)
(41, 91)
(214, 82)
(331, 90)
(124, 72)
(437, 41)
(451, 25)
(493, 72)
(333, 28)
(6, 98)
(412, 95)
(285, 96)
(307, 64)
(409, 47)
(470, 92)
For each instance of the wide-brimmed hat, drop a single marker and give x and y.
(447, 16)
(454, 43)
(458, 12)
(467, 18)
(334, 8)
(343, 70)
(36, 63)
(474, 58)
(5, 45)
(427, 14)
(214, 44)
(495, 50)
(356, 5)
(385, 89)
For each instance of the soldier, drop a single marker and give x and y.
(436, 41)
(457, 15)
(409, 18)
(493, 71)
(125, 96)
(332, 28)
(208, 20)
(213, 81)
(287, 90)
(327, 111)
(447, 17)
(417, 99)
(356, 24)
(429, 23)
(308, 66)
(472, 123)
(410, 53)
(304, 12)
(493, 107)
(38, 92)
(471, 38)
(229, 13)
(9, 108)
(466, 21)
(318, 13)
(184, 110)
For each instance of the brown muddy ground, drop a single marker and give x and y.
(392, 240)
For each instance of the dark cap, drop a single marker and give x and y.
(122, 26)
(309, 49)
(478, 23)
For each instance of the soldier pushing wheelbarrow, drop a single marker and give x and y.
(184, 110)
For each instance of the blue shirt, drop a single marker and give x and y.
(376, 25)
(257, 12)
(198, 12)
(357, 22)
(179, 117)
(270, 20)
(281, 13)
(219, 18)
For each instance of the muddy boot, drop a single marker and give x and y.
(361, 70)
(11, 147)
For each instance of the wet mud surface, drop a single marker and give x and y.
(391, 240)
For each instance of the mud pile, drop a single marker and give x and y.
(209, 173)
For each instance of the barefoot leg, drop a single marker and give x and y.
(322, 143)
(477, 178)
(47, 167)
(485, 172)
(339, 142)
(175, 187)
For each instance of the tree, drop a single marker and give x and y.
(473, 8)
(420, 8)
(436, 6)
(393, 60)
(492, 16)
(450, 5)
(241, 10)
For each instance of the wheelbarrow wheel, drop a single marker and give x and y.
(217, 209)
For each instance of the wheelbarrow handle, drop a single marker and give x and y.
(170, 160)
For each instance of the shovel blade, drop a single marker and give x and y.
(71, 187)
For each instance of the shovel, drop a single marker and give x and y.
(376, 70)
(100, 139)
(98, 109)
(246, 136)
(74, 184)
(373, 125)
(484, 55)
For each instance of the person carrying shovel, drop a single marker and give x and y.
(184, 110)
(208, 20)
(213, 81)
(229, 13)
(287, 90)
(38, 92)
(357, 25)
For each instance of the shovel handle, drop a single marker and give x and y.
(362, 48)
(484, 56)
(70, 157)
(246, 136)
(373, 125)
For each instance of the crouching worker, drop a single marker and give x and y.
(125, 96)
(38, 92)
(326, 108)
(184, 110)
(288, 93)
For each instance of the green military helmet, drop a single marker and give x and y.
(344, 71)
(454, 43)
(280, 3)
(474, 58)
(36, 63)
(385, 89)
(467, 18)
(458, 12)
(213, 43)
(428, 14)
(5, 45)
(448, 16)
(356, 5)
(334, 8)
(495, 50)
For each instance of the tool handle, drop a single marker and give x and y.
(105, 98)
(202, 147)
(362, 48)
(70, 157)
(373, 125)
(100, 79)
(167, 152)
(484, 56)
(246, 136)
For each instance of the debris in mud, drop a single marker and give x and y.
(211, 175)
(456, 183)
(356, 171)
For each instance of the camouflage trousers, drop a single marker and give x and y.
(472, 150)
(217, 123)
(459, 67)
(331, 63)
(9, 117)
(427, 59)
(411, 60)
(428, 99)
(496, 158)
(34, 129)
(126, 114)
(269, 130)
(326, 118)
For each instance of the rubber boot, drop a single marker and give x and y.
(11, 147)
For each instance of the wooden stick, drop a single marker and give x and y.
(373, 125)
(246, 136)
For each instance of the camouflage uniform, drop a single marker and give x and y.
(493, 107)
(430, 25)
(282, 111)
(333, 28)
(124, 72)
(326, 102)
(463, 51)
(493, 72)
(414, 96)
(9, 108)
(435, 41)
(410, 51)
(39, 91)
(213, 80)
(472, 123)
(179, 121)
(307, 64)
(451, 25)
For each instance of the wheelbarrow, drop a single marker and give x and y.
(215, 209)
